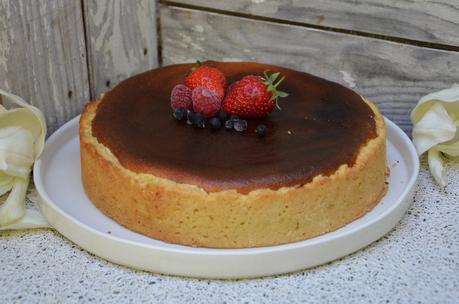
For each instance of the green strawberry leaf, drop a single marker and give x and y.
(271, 86)
(197, 65)
(265, 73)
(282, 94)
(273, 77)
(280, 80)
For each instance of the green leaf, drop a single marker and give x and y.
(280, 80)
(278, 106)
(282, 94)
(271, 85)
(265, 73)
(193, 68)
(273, 77)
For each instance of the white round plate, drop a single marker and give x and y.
(66, 206)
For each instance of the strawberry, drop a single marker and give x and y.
(253, 96)
(207, 77)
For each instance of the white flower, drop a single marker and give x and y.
(22, 138)
(435, 123)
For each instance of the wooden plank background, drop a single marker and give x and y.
(434, 21)
(394, 75)
(121, 40)
(60, 54)
(43, 56)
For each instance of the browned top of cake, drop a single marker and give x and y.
(321, 126)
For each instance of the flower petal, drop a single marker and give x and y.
(16, 151)
(6, 183)
(37, 120)
(435, 127)
(451, 148)
(14, 207)
(22, 137)
(31, 220)
(449, 98)
(436, 167)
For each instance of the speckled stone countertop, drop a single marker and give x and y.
(417, 262)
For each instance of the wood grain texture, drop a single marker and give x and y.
(393, 75)
(121, 40)
(43, 57)
(435, 21)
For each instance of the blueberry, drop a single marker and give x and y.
(215, 123)
(222, 115)
(261, 130)
(229, 124)
(191, 116)
(199, 121)
(180, 114)
(234, 117)
(240, 125)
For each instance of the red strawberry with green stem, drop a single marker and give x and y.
(254, 96)
(207, 77)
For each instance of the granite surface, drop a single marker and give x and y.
(417, 262)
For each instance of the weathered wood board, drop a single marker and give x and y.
(393, 75)
(435, 21)
(43, 56)
(121, 40)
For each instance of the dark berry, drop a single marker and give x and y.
(181, 97)
(199, 121)
(234, 117)
(190, 116)
(180, 114)
(240, 125)
(222, 115)
(215, 123)
(261, 130)
(229, 124)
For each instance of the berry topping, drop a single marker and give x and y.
(190, 117)
(205, 102)
(200, 100)
(222, 115)
(181, 97)
(199, 121)
(234, 117)
(254, 96)
(215, 123)
(229, 124)
(208, 77)
(240, 125)
(261, 130)
(180, 114)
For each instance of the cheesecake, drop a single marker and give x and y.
(321, 165)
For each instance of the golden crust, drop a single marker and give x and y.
(186, 214)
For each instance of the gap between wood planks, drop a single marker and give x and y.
(88, 52)
(419, 43)
(159, 36)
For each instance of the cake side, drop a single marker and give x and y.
(187, 214)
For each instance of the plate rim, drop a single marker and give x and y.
(200, 251)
